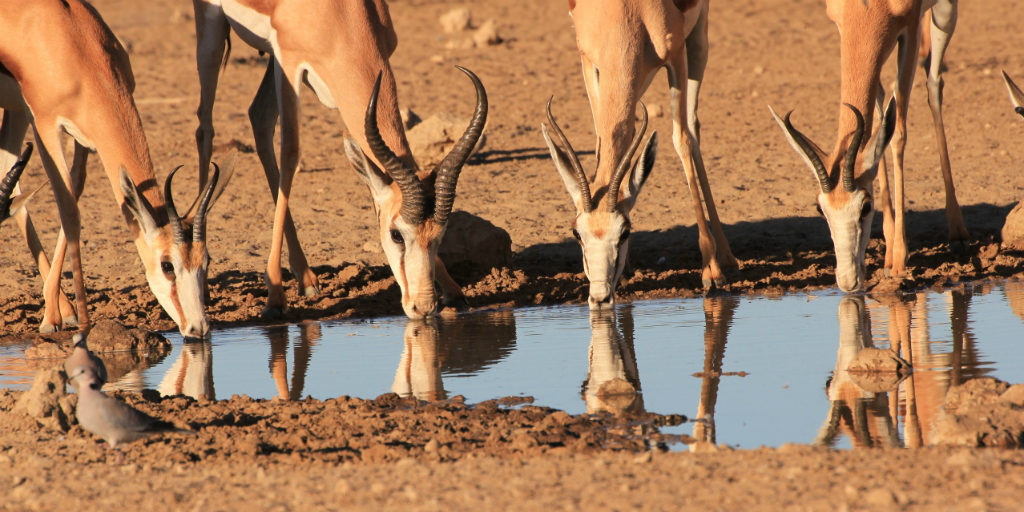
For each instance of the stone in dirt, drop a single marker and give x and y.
(432, 139)
(48, 401)
(1013, 229)
(456, 20)
(105, 336)
(487, 34)
(982, 412)
(472, 247)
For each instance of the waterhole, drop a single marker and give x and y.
(746, 371)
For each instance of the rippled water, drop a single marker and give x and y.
(760, 371)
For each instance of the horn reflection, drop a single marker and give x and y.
(613, 380)
(192, 373)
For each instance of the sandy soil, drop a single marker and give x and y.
(765, 193)
(391, 453)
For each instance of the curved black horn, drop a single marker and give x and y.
(812, 156)
(413, 195)
(574, 160)
(447, 172)
(199, 222)
(9, 181)
(624, 164)
(851, 152)
(172, 212)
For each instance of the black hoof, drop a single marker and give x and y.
(269, 313)
(959, 247)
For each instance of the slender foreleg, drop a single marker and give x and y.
(212, 32)
(906, 62)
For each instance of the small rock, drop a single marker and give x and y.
(432, 446)
(372, 247)
(655, 110)
(432, 139)
(1013, 229)
(643, 458)
(437, 59)
(456, 20)
(43, 401)
(880, 497)
(1014, 395)
(758, 70)
(487, 34)
(342, 487)
(472, 247)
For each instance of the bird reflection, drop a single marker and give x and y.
(192, 373)
(868, 408)
(464, 346)
(279, 338)
(613, 380)
(718, 315)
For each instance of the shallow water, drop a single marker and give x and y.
(682, 355)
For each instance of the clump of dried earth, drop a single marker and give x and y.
(354, 454)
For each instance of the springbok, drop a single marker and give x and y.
(868, 32)
(12, 205)
(337, 48)
(623, 44)
(64, 71)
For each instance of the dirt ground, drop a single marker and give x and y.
(765, 193)
(391, 453)
(783, 53)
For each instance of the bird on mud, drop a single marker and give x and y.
(82, 356)
(111, 419)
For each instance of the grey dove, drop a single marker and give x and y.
(113, 420)
(81, 356)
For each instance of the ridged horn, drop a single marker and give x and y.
(574, 160)
(812, 156)
(413, 195)
(199, 221)
(172, 212)
(624, 164)
(851, 152)
(9, 181)
(447, 172)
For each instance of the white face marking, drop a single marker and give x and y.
(412, 265)
(604, 238)
(181, 292)
(850, 227)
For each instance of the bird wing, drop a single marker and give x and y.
(126, 417)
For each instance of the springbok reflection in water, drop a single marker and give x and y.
(718, 315)
(613, 380)
(465, 346)
(192, 373)
(279, 338)
(868, 409)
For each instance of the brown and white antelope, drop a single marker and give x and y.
(337, 48)
(623, 44)
(10, 205)
(869, 30)
(63, 71)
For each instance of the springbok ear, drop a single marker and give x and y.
(378, 181)
(812, 155)
(882, 139)
(137, 205)
(1016, 96)
(642, 169)
(564, 169)
(19, 202)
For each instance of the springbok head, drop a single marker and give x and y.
(602, 219)
(412, 208)
(846, 201)
(1016, 96)
(10, 205)
(177, 258)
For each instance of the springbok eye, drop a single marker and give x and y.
(576, 234)
(624, 236)
(866, 210)
(396, 237)
(167, 268)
